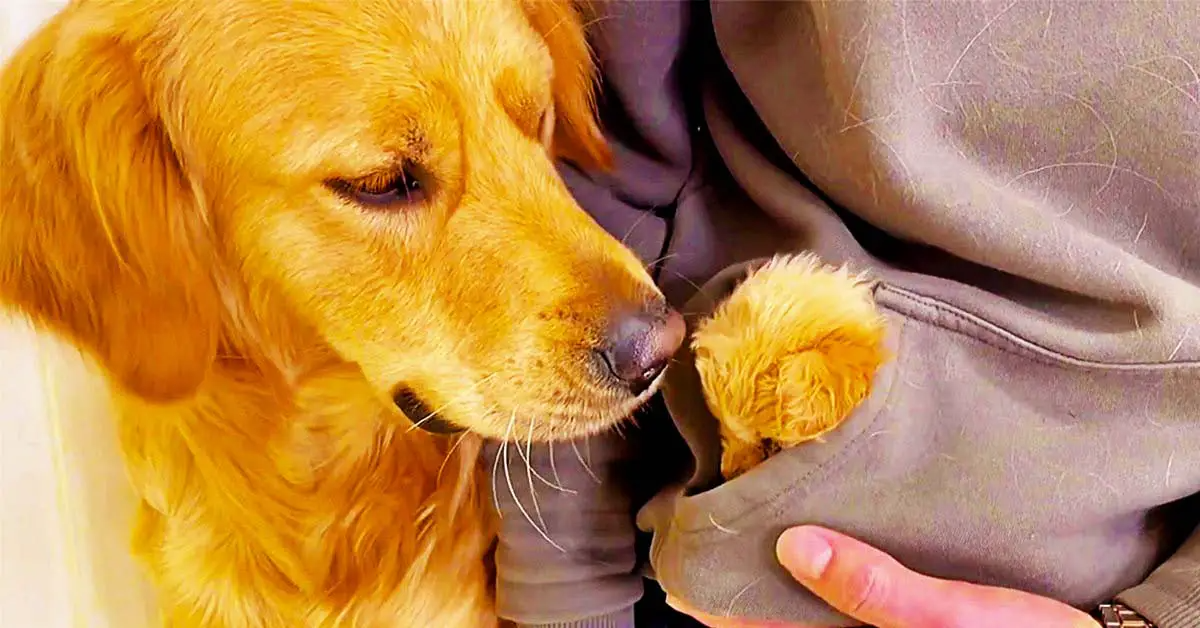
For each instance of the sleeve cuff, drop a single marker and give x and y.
(1170, 598)
(620, 619)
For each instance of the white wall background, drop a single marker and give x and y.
(18, 18)
(65, 504)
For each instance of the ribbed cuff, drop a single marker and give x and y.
(1170, 598)
(619, 619)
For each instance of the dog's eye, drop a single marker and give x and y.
(386, 189)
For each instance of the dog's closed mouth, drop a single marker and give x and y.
(421, 415)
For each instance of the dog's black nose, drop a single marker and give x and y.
(641, 344)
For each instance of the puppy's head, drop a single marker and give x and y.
(378, 172)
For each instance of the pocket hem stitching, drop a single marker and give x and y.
(1001, 339)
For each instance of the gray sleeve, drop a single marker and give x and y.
(567, 543)
(568, 561)
(620, 619)
(1170, 597)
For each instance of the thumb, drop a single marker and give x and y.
(874, 588)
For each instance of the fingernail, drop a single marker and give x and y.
(804, 552)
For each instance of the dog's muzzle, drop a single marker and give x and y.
(421, 415)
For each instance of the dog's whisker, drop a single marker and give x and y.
(554, 471)
(529, 476)
(658, 260)
(588, 469)
(449, 454)
(452, 401)
(496, 469)
(689, 282)
(454, 447)
(597, 20)
(634, 226)
(527, 456)
(513, 491)
(495, 492)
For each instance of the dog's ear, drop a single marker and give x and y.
(101, 237)
(577, 135)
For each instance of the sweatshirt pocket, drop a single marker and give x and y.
(978, 456)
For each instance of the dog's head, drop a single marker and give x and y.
(184, 178)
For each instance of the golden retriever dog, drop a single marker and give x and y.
(291, 230)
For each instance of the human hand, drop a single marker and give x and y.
(874, 588)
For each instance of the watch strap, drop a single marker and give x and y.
(1116, 615)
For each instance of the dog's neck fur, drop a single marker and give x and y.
(285, 467)
(292, 459)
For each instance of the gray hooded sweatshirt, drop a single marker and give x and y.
(1023, 178)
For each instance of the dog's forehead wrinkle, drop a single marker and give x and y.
(298, 110)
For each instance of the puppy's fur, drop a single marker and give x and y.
(182, 198)
(787, 356)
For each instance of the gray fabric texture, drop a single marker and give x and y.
(567, 533)
(1023, 178)
(620, 619)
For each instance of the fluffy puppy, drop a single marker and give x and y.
(787, 356)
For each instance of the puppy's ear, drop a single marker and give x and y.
(101, 237)
(577, 136)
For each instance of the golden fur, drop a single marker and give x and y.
(787, 356)
(171, 173)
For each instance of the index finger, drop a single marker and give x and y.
(874, 588)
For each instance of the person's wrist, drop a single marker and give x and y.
(1117, 615)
